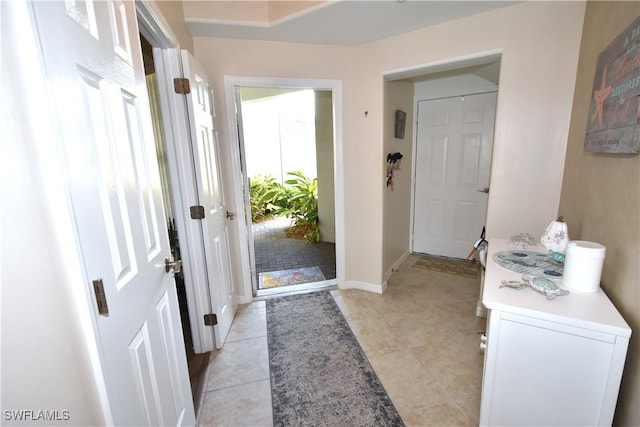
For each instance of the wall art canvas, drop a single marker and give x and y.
(401, 120)
(613, 124)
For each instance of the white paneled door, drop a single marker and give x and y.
(210, 195)
(453, 162)
(94, 66)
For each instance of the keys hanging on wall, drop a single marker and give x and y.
(393, 164)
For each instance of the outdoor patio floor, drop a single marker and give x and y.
(274, 251)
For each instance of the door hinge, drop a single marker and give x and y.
(181, 85)
(210, 319)
(197, 212)
(101, 298)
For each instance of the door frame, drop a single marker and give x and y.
(249, 284)
(182, 176)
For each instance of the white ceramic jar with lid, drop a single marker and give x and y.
(583, 266)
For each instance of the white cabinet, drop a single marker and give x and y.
(549, 362)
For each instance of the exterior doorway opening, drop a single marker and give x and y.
(287, 141)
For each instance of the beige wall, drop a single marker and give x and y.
(534, 104)
(174, 15)
(601, 197)
(283, 9)
(244, 58)
(249, 11)
(534, 99)
(397, 202)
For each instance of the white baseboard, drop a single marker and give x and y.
(244, 300)
(364, 286)
(480, 310)
(396, 265)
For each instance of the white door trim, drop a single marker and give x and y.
(231, 82)
(153, 26)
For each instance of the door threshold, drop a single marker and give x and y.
(295, 289)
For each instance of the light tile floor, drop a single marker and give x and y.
(421, 337)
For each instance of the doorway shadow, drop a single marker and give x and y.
(274, 251)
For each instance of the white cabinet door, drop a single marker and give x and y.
(453, 162)
(540, 373)
(94, 65)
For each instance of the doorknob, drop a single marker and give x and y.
(231, 215)
(176, 265)
(484, 190)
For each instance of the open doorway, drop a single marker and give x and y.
(454, 105)
(454, 109)
(197, 362)
(286, 137)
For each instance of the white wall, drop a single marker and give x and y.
(539, 42)
(47, 353)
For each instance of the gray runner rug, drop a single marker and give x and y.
(319, 374)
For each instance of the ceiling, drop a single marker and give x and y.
(347, 22)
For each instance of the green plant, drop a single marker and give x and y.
(268, 197)
(303, 204)
(297, 199)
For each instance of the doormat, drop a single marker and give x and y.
(295, 276)
(458, 267)
(320, 375)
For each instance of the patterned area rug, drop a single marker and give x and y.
(319, 374)
(296, 276)
(459, 267)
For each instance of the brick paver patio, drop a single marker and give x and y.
(275, 251)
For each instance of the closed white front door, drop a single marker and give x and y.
(94, 66)
(452, 167)
(210, 196)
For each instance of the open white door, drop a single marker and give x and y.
(94, 66)
(246, 187)
(214, 215)
(453, 164)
